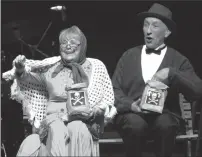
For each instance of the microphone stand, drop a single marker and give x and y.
(44, 34)
(33, 47)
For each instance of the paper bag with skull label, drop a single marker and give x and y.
(78, 107)
(77, 98)
(154, 96)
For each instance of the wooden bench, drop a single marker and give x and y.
(188, 114)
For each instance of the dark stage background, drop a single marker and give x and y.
(111, 27)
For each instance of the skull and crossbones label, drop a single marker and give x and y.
(153, 97)
(77, 98)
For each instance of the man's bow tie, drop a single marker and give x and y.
(149, 51)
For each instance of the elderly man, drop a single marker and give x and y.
(152, 61)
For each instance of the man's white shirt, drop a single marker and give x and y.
(151, 62)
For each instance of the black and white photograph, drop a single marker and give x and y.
(101, 78)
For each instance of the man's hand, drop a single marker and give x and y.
(162, 76)
(19, 63)
(135, 106)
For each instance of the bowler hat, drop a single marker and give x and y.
(161, 12)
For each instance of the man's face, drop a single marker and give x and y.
(155, 32)
(70, 48)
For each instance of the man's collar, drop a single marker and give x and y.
(156, 51)
(161, 46)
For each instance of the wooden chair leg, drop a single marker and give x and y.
(189, 150)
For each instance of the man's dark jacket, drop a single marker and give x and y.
(129, 85)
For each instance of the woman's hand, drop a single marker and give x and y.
(19, 63)
(98, 111)
(111, 115)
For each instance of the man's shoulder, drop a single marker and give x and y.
(176, 53)
(133, 51)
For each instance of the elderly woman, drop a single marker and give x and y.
(68, 98)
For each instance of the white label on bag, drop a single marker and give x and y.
(153, 97)
(77, 98)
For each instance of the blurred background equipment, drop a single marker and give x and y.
(25, 36)
(34, 48)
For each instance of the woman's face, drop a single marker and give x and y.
(70, 47)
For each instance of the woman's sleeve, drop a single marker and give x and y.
(32, 67)
(29, 89)
(107, 102)
(31, 77)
